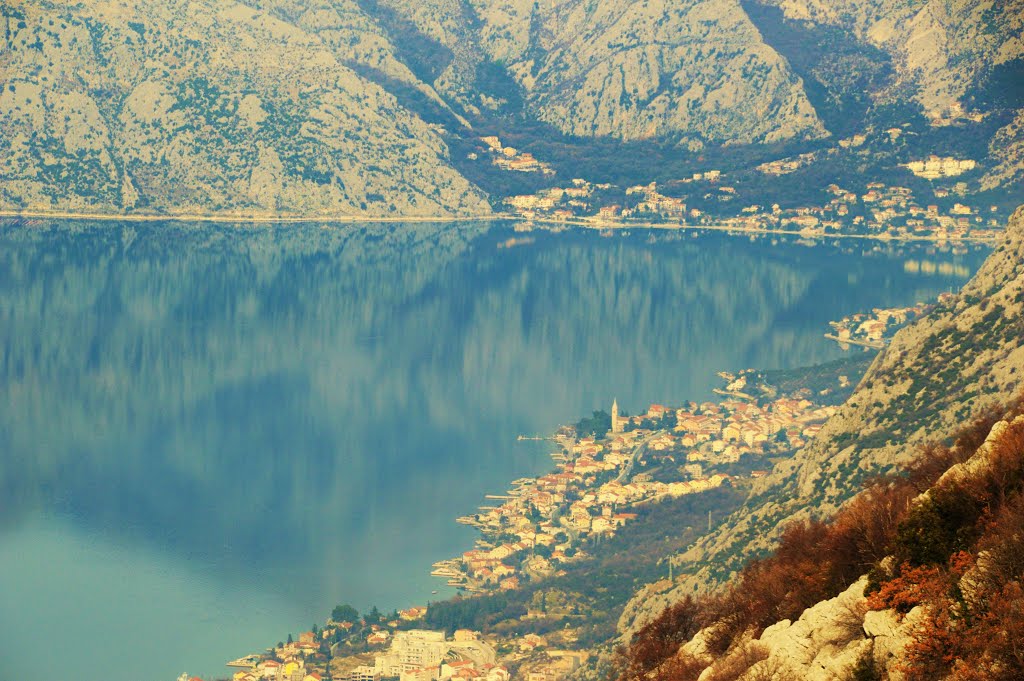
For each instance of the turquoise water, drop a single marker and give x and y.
(211, 435)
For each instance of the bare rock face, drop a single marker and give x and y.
(832, 637)
(695, 68)
(939, 46)
(926, 384)
(1007, 150)
(182, 106)
(826, 641)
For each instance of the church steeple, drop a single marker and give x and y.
(616, 426)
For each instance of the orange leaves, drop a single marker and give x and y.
(912, 587)
(959, 554)
(655, 646)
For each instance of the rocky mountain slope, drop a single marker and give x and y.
(351, 107)
(940, 47)
(934, 376)
(901, 584)
(202, 106)
(956, 59)
(695, 69)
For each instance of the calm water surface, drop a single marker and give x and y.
(210, 435)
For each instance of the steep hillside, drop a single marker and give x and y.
(195, 105)
(371, 107)
(697, 69)
(900, 585)
(693, 70)
(940, 47)
(932, 378)
(962, 62)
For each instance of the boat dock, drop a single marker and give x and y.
(247, 662)
(875, 345)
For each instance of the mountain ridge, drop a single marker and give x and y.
(375, 107)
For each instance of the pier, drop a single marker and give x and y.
(247, 662)
(875, 345)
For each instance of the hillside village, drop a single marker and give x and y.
(510, 158)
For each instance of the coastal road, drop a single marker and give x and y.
(638, 449)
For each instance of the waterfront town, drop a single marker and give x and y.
(601, 477)
(406, 654)
(883, 209)
(607, 468)
(410, 655)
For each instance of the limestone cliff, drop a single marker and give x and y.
(932, 378)
(203, 106)
(940, 47)
(695, 70)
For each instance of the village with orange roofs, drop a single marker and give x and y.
(607, 469)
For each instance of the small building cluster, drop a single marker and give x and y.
(510, 158)
(877, 327)
(424, 655)
(654, 204)
(559, 203)
(289, 662)
(935, 167)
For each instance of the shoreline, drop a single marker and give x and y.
(256, 219)
(619, 224)
(241, 218)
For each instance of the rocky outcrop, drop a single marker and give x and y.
(940, 47)
(201, 106)
(829, 641)
(836, 637)
(930, 380)
(695, 70)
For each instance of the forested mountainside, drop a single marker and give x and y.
(376, 107)
(931, 382)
